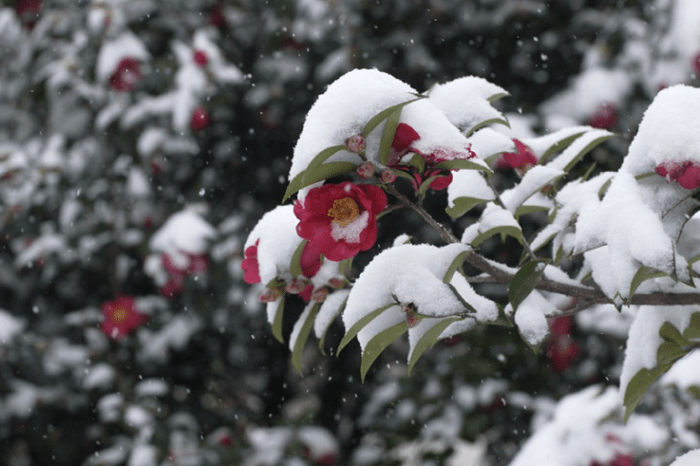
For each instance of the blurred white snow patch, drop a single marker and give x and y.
(9, 326)
(588, 90)
(269, 445)
(99, 376)
(184, 232)
(217, 65)
(463, 453)
(111, 456)
(49, 242)
(174, 335)
(318, 440)
(143, 455)
(51, 158)
(24, 396)
(692, 458)
(151, 387)
(605, 319)
(335, 63)
(109, 407)
(576, 433)
(112, 52)
(138, 417)
(61, 356)
(668, 131)
(137, 184)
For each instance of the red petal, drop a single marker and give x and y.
(404, 137)
(310, 261)
(690, 179)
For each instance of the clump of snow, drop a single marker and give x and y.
(668, 131)
(530, 317)
(329, 309)
(535, 179)
(9, 327)
(466, 101)
(493, 216)
(99, 376)
(125, 45)
(155, 346)
(412, 274)
(644, 339)
(468, 184)
(576, 433)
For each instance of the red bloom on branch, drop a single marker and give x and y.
(250, 264)
(200, 119)
(604, 117)
(28, 12)
(126, 75)
(121, 317)
(197, 263)
(685, 173)
(340, 220)
(521, 160)
(404, 137)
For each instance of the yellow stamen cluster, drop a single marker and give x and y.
(344, 211)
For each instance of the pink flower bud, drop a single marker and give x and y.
(365, 170)
(200, 119)
(387, 175)
(337, 283)
(200, 58)
(604, 117)
(690, 179)
(412, 319)
(356, 144)
(320, 295)
(295, 286)
(270, 295)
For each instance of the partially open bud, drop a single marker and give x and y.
(320, 294)
(337, 283)
(295, 286)
(387, 175)
(356, 144)
(365, 170)
(270, 295)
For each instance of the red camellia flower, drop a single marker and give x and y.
(197, 263)
(404, 137)
(200, 119)
(604, 117)
(561, 350)
(28, 12)
(200, 58)
(250, 264)
(685, 173)
(121, 317)
(521, 160)
(340, 220)
(126, 75)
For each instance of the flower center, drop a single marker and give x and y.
(119, 315)
(344, 211)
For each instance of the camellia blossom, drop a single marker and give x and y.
(250, 265)
(340, 220)
(604, 117)
(404, 137)
(197, 263)
(126, 75)
(685, 173)
(121, 317)
(200, 119)
(521, 160)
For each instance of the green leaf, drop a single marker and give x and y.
(422, 190)
(381, 116)
(277, 321)
(462, 205)
(392, 121)
(429, 339)
(417, 162)
(529, 209)
(692, 332)
(643, 273)
(491, 121)
(294, 186)
(559, 146)
(378, 344)
(525, 280)
(498, 96)
(304, 335)
(638, 386)
(402, 174)
(461, 164)
(585, 150)
(360, 324)
(327, 170)
(502, 230)
(454, 265)
(502, 320)
(668, 353)
(671, 334)
(322, 156)
(295, 264)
